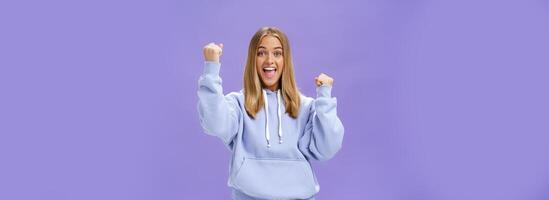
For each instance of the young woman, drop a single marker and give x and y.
(271, 129)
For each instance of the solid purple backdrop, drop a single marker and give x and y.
(439, 99)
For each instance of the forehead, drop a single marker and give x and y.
(270, 42)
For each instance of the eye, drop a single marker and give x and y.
(278, 53)
(260, 53)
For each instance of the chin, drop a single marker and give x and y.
(268, 85)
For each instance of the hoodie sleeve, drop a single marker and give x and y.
(323, 134)
(219, 115)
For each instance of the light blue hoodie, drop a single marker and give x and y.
(271, 153)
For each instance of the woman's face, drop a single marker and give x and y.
(270, 62)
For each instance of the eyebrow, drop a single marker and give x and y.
(266, 48)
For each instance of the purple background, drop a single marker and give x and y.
(439, 99)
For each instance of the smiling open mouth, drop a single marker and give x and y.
(269, 72)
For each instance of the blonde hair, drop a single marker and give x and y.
(253, 94)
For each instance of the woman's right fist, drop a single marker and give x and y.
(212, 52)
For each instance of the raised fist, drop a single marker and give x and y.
(323, 79)
(213, 51)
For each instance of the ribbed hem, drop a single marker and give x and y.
(237, 195)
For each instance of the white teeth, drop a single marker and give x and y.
(269, 68)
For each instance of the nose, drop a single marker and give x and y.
(270, 59)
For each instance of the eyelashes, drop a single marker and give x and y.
(260, 53)
(264, 53)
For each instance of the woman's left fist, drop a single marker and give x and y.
(323, 79)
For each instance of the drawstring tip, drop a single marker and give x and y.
(268, 145)
(280, 142)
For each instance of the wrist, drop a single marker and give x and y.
(212, 67)
(324, 91)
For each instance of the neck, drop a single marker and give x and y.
(272, 88)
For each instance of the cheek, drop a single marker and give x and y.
(259, 62)
(280, 64)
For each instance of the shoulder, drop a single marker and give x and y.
(236, 94)
(306, 102)
(236, 97)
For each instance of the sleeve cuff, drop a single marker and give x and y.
(211, 67)
(324, 91)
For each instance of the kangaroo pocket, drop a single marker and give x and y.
(276, 179)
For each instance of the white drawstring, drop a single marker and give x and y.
(279, 118)
(266, 107)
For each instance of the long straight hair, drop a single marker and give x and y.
(253, 94)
